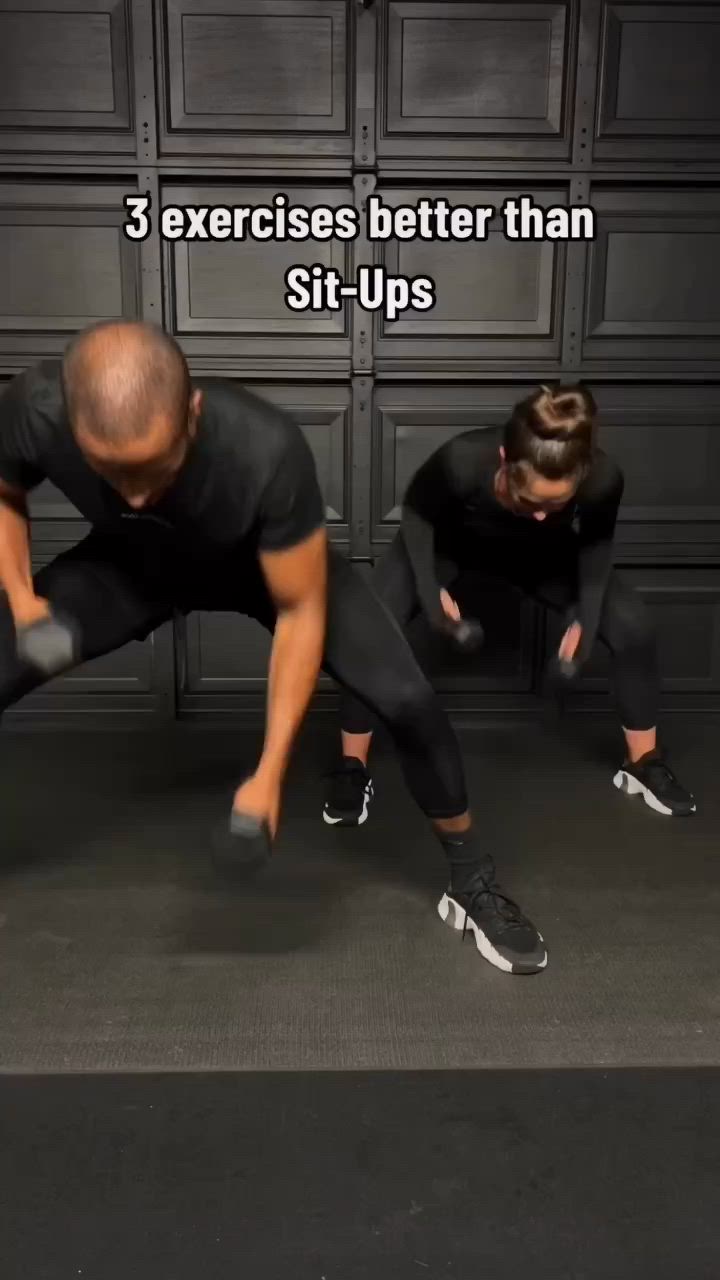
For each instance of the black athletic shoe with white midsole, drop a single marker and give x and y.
(349, 793)
(504, 936)
(653, 779)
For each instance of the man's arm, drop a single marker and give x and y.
(15, 568)
(19, 472)
(297, 580)
(293, 556)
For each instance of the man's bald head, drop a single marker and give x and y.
(119, 377)
(130, 405)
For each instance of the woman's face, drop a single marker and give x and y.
(527, 493)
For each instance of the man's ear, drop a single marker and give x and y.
(502, 452)
(196, 403)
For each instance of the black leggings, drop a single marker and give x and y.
(551, 578)
(365, 652)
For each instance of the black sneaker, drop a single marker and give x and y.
(653, 779)
(504, 936)
(349, 795)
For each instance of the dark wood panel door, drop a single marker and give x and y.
(476, 82)
(652, 276)
(64, 263)
(267, 80)
(496, 301)
(667, 441)
(658, 89)
(65, 79)
(226, 298)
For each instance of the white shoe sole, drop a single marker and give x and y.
(453, 914)
(632, 786)
(333, 822)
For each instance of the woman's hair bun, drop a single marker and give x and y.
(562, 412)
(552, 431)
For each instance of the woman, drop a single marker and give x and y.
(533, 503)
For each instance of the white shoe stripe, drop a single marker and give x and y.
(632, 786)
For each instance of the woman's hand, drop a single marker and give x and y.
(468, 635)
(450, 607)
(570, 642)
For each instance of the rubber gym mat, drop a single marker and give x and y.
(120, 951)
(569, 1175)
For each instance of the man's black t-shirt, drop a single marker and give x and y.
(248, 483)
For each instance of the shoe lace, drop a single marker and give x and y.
(486, 893)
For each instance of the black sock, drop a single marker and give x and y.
(467, 862)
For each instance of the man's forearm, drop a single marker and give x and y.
(294, 667)
(15, 564)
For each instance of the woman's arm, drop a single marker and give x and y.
(597, 520)
(418, 534)
(428, 504)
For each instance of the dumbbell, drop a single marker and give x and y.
(51, 645)
(467, 634)
(243, 846)
(562, 673)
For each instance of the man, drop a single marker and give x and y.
(205, 497)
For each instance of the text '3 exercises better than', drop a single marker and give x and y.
(322, 288)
